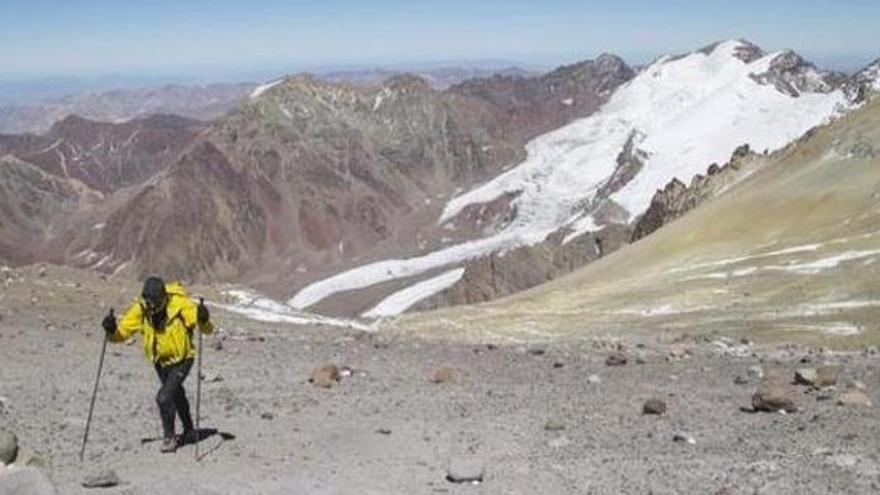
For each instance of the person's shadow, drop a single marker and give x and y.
(201, 435)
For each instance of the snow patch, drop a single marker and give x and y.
(265, 87)
(259, 308)
(400, 301)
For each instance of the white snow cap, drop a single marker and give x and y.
(684, 113)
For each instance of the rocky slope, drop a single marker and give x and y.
(676, 198)
(58, 188)
(105, 156)
(789, 252)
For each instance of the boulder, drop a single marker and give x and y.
(8, 447)
(773, 396)
(654, 406)
(325, 377)
(447, 374)
(25, 481)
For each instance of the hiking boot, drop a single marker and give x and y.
(169, 446)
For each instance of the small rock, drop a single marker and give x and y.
(41, 271)
(325, 377)
(103, 479)
(8, 447)
(37, 462)
(558, 365)
(536, 352)
(823, 396)
(217, 345)
(654, 406)
(446, 374)
(805, 376)
(594, 380)
(854, 384)
(854, 398)
(616, 359)
(740, 380)
(465, 471)
(554, 424)
(677, 352)
(383, 431)
(756, 372)
(267, 416)
(682, 438)
(773, 396)
(823, 376)
(26, 481)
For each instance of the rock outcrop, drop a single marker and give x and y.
(676, 198)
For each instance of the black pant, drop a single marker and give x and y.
(172, 397)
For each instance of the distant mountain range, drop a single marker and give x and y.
(352, 196)
(24, 108)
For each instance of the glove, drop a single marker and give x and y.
(109, 323)
(202, 313)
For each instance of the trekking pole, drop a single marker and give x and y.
(94, 393)
(198, 384)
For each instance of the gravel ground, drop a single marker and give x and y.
(531, 419)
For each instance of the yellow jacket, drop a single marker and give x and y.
(172, 345)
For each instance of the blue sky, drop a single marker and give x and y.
(55, 37)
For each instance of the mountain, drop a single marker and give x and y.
(591, 178)
(198, 102)
(788, 253)
(104, 156)
(308, 178)
(58, 188)
(374, 199)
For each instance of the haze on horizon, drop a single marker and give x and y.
(94, 37)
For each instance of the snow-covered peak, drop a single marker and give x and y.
(674, 119)
(870, 75)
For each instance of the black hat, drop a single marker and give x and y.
(154, 291)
